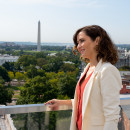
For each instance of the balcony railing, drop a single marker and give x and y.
(29, 108)
(41, 117)
(36, 117)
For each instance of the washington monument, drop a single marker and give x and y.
(39, 37)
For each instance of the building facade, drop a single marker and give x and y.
(7, 58)
(124, 58)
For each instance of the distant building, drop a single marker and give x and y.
(125, 89)
(68, 47)
(124, 58)
(125, 75)
(52, 54)
(8, 44)
(7, 58)
(39, 37)
(68, 62)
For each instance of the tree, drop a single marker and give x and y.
(5, 94)
(11, 74)
(26, 60)
(38, 90)
(67, 83)
(19, 76)
(17, 66)
(54, 64)
(31, 72)
(41, 72)
(41, 62)
(67, 67)
(4, 74)
(48, 67)
(9, 66)
(40, 55)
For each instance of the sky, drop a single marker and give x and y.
(61, 18)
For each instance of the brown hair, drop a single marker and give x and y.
(106, 48)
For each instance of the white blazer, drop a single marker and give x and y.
(101, 99)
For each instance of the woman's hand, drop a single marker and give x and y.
(55, 103)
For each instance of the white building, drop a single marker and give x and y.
(7, 58)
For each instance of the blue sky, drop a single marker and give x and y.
(60, 19)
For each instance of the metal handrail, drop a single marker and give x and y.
(27, 108)
(30, 108)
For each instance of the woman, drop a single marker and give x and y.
(96, 101)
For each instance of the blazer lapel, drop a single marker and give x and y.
(74, 114)
(88, 89)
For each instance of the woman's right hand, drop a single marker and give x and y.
(54, 104)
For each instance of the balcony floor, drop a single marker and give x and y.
(3, 123)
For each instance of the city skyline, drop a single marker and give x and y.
(60, 19)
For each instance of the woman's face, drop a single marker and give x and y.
(86, 46)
